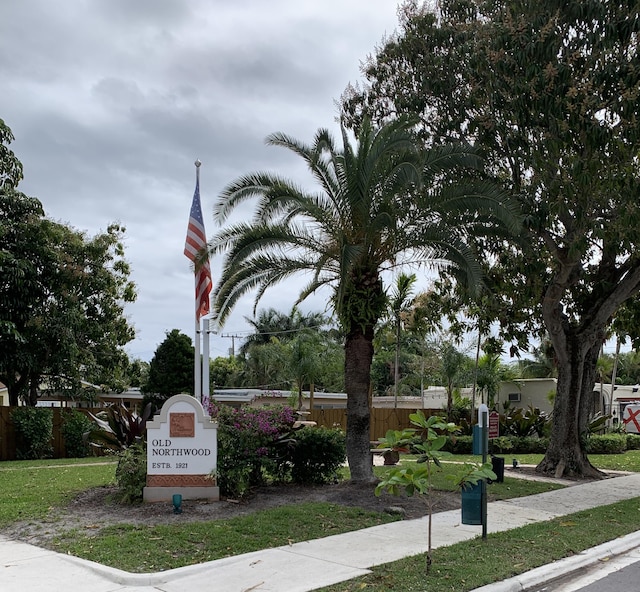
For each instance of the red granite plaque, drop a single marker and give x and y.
(182, 425)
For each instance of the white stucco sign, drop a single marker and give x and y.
(181, 450)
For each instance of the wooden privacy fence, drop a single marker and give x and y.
(381, 419)
(8, 434)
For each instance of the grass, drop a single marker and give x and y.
(11, 465)
(471, 564)
(628, 461)
(157, 548)
(30, 493)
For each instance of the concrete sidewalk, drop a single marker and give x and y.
(314, 564)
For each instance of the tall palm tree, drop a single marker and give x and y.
(399, 302)
(377, 200)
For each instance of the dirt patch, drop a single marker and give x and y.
(95, 508)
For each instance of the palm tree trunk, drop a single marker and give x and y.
(357, 378)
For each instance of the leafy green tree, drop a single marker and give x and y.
(549, 91)
(330, 375)
(170, 369)
(224, 372)
(543, 364)
(377, 200)
(304, 360)
(628, 367)
(62, 302)
(423, 318)
(10, 166)
(267, 352)
(264, 366)
(137, 373)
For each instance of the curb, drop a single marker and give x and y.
(562, 568)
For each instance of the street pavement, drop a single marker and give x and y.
(618, 577)
(310, 565)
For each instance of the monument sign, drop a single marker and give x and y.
(182, 446)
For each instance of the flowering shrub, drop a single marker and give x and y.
(250, 444)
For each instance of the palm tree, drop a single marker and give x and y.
(452, 370)
(271, 323)
(372, 207)
(399, 303)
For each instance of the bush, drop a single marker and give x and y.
(34, 432)
(131, 473)
(502, 445)
(317, 454)
(250, 445)
(118, 427)
(633, 441)
(525, 422)
(529, 445)
(459, 445)
(606, 444)
(74, 427)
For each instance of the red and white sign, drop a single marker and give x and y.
(631, 419)
(494, 424)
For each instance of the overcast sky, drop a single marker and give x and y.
(112, 101)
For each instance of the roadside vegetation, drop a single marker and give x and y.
(34, 490)
(471, 564)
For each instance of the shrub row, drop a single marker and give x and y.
(596, 444)
(34, 432)
(606, 444)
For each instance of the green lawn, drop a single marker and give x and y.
(471, 564)
(629, 461)
(28, 492)
(157, 548)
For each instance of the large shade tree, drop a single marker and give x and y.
(62, 303)
(377, 200)
(62, 296)
(550, 91)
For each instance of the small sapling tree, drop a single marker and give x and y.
(427, 438)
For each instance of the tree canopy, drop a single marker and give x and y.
(170, 369)
(62, 298)
(378, 200)
(550, 93)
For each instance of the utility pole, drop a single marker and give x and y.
(233, 343)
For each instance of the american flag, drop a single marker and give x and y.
(196, 241)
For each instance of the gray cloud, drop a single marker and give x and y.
(111, 102)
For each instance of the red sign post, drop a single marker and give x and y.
(494, 424)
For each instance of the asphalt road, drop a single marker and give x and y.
(620, 574)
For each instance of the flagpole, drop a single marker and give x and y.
(197, 367)
(205, 366)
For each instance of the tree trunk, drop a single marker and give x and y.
(15, 388)
(576, 378)
(32, 399)
(13, 396)
(357, 379)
